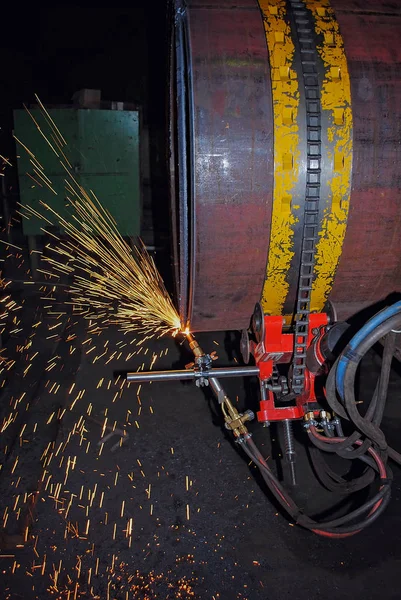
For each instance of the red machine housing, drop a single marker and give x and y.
(278, 347)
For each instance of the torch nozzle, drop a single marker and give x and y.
(189, 336)
(193, 344)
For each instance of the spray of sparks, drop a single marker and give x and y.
(112, 283)
(75, 502)
(78, 444)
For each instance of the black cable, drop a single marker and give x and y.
(375, 410)
(363, 524)
(327, 430)
(384, 379)
(309, 523)
(331, 392)
(292, 509)
(394, 455)
(339, 428)
(335, 482)
(274, 485)
(368, 427)
(334, 523)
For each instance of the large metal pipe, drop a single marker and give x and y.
(253, 141)
(186, 374)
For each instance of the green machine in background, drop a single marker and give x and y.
(103, 149)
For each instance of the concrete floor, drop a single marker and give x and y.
(175, 511)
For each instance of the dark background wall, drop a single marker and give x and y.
(56, 50)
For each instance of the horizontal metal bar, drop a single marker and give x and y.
(192, 374)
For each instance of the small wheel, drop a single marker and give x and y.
(244, 346)
(258, 322)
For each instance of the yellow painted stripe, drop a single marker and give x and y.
(285, 92)
(336, 100)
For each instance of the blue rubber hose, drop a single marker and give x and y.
(367, 329)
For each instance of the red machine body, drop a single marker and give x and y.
(274, 347)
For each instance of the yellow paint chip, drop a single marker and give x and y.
(339, 203)
(330, 38)
(288, 116)
(336, 201)
(338, 114)
(335, 73)
(286, 203)
(338, 161)
(279, 37)
(288, 162)
(284, 73)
